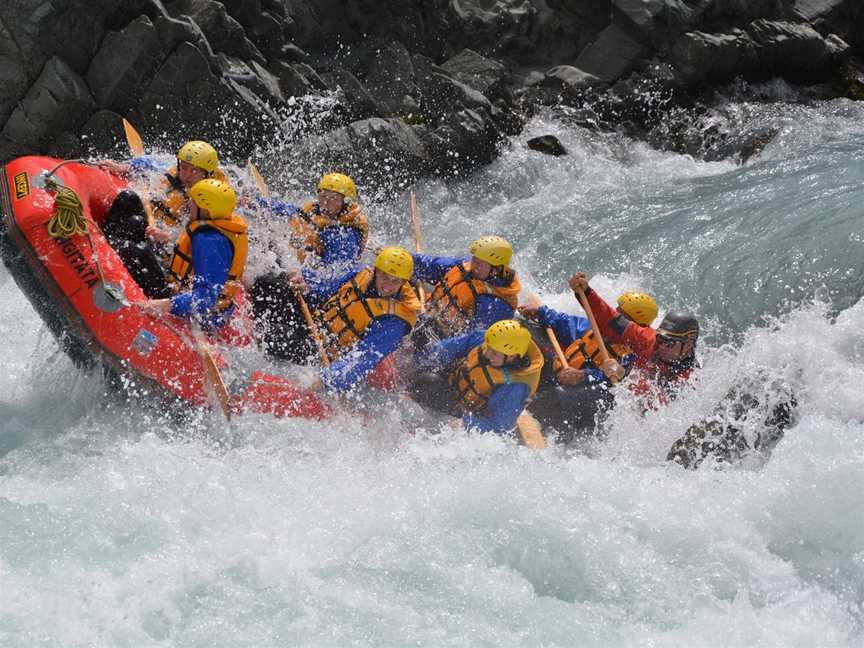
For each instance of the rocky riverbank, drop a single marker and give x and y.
(389, 91)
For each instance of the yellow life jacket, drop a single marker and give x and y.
(307, 225)
(172, 207)
(584, 353)
(182, 270)
(474, 379)
(453, 300)
(349, 312)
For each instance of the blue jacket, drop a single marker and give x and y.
(568, 329)
(381, 338)
(211, 259)
(506, 402)
(488, 309)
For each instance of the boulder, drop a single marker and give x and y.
(124, 63)
(390, 80)
(188, 99)
(794, 51)
(356, 98)
(660, 21)
(614, 53)
(548, 144)
(14, 77)
(58, 102)
(570, 80)
(478, 72)
(291, 82)
(462, 141)
(713, 58)
(223, 32)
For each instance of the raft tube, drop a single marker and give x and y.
(83, 292)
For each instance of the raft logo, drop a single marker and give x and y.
(22, 185)
(144, 342)
(79, 263)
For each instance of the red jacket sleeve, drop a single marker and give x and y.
(603, 313)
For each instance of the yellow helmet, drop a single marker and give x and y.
(199, 154)
(638, 306)
(340, 183)
(508, 337)
(216, 196)
(494, 250)
(395, 261)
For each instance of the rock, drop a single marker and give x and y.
(614, 53)
(660, 21)
(390, 81)
(463, 141)
(14, 78)
(357, 99)
(548, 144)
(187, 99)
(291, 52)
(382, 152)
(58, 102)
(291, 82)
(443, 95)
(794, 51)
(311, 76)
(102, 136)
(223, 32)
(125, 61)
(570, 80)
(475, 71)
(713, 58)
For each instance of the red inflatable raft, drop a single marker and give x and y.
(81, 289)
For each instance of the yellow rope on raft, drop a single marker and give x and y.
(68, 218)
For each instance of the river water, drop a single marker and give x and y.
(121, 528)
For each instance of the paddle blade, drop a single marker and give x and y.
(136, 144)
(259, 180)
(214, 378)
(530, 432)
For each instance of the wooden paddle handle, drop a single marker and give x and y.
(313, 328)
(535, 302)
(604, 353)
(415, 226)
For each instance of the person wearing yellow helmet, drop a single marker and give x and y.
(469, 292)
(486, 377)
(363, 317)
(209, 257)
(332, 229)
(573, 398)
(665, 357)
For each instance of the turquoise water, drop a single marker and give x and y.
(120, 528)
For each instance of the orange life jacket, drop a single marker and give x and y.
(307, 225)
(172, 208)
(451, 305)
(349, 312)
(182, 270)
(584, 353)
(474, 379)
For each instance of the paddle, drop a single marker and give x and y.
(604, 354)
(415, 224)
(259, 179)
(313, 328)
(553, 339)
(136, 144)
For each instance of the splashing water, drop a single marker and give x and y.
(121, 528)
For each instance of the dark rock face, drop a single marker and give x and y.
(417, 86)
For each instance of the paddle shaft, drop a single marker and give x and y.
(136, 148)
(604, 353)
(313, 328)
(535, 301)
(415, 225)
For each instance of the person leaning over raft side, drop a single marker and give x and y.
(196, 160)
(469, 293)
(570, 398)
(209, 257)
(665, 358)
(489, 376)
